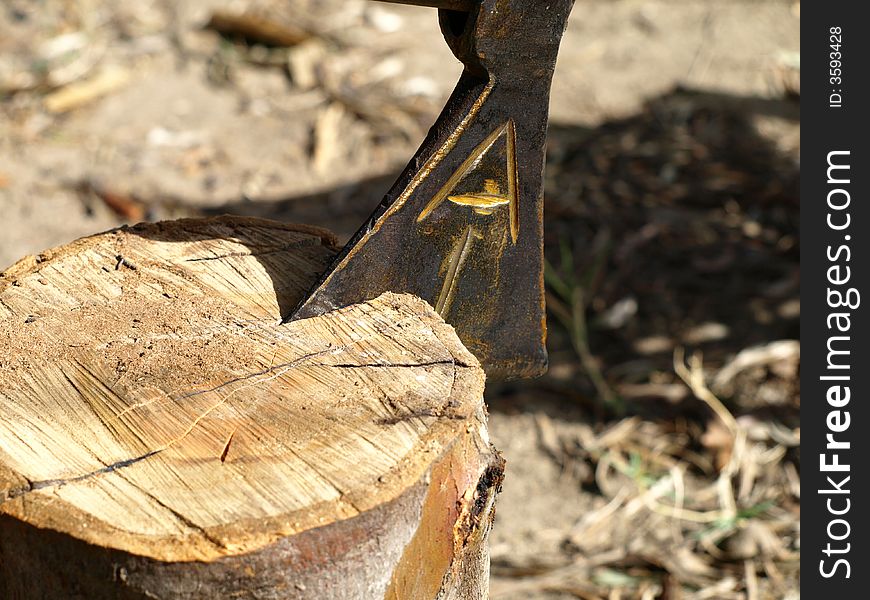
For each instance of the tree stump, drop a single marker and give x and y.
(162, 435)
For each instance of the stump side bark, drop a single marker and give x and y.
(163, 435)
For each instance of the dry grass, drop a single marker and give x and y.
(673, 302)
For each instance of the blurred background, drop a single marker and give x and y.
(659, 458)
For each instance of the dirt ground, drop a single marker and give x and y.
(659, 458)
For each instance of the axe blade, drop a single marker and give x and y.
(462, 227)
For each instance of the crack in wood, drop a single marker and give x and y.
(283, 369)
(183, 519)
(33, 486)
(288, 247)
(433, 363)
(226, 449)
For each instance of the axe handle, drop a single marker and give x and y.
(462, 5)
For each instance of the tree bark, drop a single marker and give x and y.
(162, 435)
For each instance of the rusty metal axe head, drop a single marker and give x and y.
(462, 227)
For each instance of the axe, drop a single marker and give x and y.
(462, 226)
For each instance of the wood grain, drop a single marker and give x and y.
(159, 423)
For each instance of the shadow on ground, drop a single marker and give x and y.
(679, 226)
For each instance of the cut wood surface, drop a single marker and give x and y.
(163, 435)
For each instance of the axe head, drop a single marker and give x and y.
(462, 227)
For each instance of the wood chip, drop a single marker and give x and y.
(80, 93)
(256, 28)
(327, 137)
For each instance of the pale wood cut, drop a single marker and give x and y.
(163, 435)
